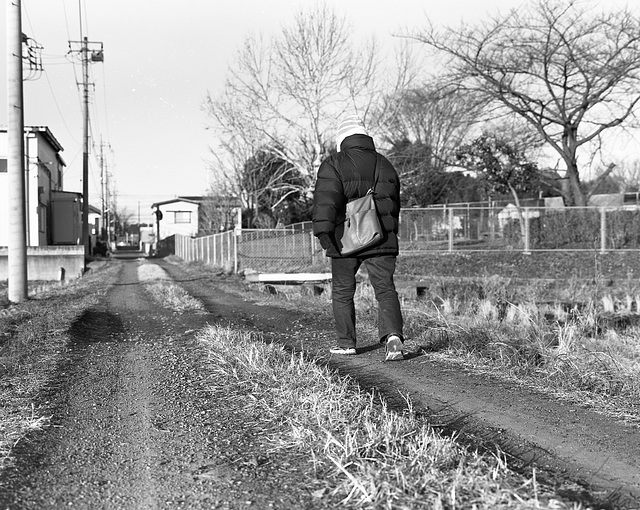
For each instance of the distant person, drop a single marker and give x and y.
(343, 177)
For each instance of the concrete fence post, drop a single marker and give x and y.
(235, 251)
(527, 250)
(450, 229)
(603, 230)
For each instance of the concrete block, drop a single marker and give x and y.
(48, 263)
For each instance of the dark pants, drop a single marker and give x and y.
(380, 269)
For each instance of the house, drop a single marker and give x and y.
(44, 168)
(177, 216)
(53, 217)
(195, 215)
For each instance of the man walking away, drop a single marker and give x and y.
(341, 178)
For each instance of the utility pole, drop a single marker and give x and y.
(95, 56)
(103, 195)
(139, 233)
(85, 152)
(107, 201)
(17, 254)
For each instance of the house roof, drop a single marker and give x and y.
(200, 200)
(45, 132)
(189, 200)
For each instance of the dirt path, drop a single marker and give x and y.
(583, 453)
(138, 423)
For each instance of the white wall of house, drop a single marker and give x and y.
(4, 195)
(178, 217)
(43, 174)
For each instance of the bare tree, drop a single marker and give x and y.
(570, 71)
(285, 94)
(434, 115)
(123, 220)
(217, 213)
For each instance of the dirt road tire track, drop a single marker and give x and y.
(137, 423)
(587, 456)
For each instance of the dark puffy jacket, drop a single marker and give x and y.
(347, 176)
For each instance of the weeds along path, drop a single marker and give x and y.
(133, 421)
(586, 455)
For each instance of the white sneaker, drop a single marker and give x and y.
(393, 348)
(343, 350)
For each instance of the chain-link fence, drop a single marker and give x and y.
(441, 229)
(525, 228)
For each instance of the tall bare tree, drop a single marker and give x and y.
(568, 69)
(284, 94)
(423, 126)
(434, 115)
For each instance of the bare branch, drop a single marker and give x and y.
(570, 71)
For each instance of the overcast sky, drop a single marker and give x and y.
(161, 57)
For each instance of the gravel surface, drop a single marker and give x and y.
(138, 422)
(586, 455)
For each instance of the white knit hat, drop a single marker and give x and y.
(349, 125)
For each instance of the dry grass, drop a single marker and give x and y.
(165, 292)
(560, 347)
(33, 340)
(363, 455)
(568, 352)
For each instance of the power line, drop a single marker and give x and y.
(62, 61)
(33, 57)
(104, 94)
(80, 18)
(66, 19)
(55, 100)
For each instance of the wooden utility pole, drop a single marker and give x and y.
(86, 57)
(17, 254)
(85, 151)
(103, 195)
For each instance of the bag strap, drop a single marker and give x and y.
(372, 190)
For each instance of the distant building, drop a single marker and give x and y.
(177, 216)
(195, 215)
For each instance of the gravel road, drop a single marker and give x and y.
(138, 423)
(588, 456)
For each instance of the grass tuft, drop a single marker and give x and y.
(570, 351)
(165, 292)
(363, 455)
(33, 341)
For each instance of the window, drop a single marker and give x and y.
(182, 217)
(3, 165)
(42, 218)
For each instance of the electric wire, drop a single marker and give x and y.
(104, 95)
(74, 57)
(34, 51)
(80, 18)
(46, 75)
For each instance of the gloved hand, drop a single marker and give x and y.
(326, 240)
